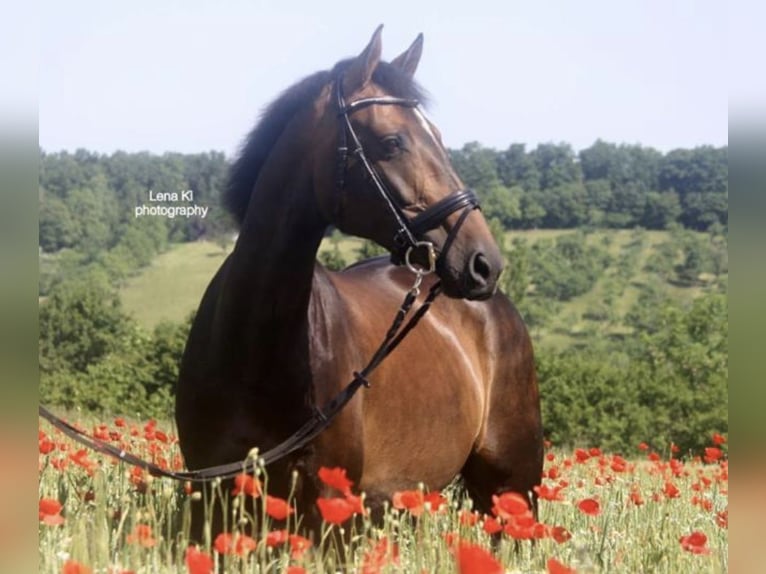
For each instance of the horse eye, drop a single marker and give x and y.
(392, 145)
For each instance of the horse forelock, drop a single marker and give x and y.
(255, 149)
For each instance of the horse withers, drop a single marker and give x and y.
(276, 334)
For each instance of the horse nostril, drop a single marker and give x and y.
(480, 269)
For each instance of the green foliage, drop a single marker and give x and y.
(88, 200)
(370, 249)
(94, 357)
(80, 323)
(333, 259)
(671, 384)
(567, 267)
(516, 279)
(607, 184)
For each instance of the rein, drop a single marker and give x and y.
(406, 238)
(319, 421)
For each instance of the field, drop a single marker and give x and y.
(599, 512)
(172, 286)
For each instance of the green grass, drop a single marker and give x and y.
(173, 285)
(114, 519)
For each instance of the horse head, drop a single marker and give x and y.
(381, 172)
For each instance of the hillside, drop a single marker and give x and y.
(172, 286)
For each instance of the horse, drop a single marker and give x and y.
(277, 334)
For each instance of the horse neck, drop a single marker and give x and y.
(274, 258)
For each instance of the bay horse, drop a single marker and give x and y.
(277, 334)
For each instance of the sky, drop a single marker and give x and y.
(191, 76)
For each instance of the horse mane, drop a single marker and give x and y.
(255, 149)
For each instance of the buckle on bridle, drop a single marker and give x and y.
(431, 253)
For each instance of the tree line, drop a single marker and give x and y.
(605, 185)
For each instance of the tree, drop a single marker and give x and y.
(660, 210)
(57, 228)
(516, 167)
(557, 165)
(80, 323)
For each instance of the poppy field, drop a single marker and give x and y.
(651, 510)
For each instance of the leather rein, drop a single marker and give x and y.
(406, 240)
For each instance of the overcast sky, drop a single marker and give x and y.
(193, 75)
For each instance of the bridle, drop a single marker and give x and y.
(408, 237)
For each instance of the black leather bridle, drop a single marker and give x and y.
(408, 237)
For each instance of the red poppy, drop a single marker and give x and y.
(276, 538)
(378, 556)
(335, 510)
(244, 544)
(45, 445)
(473, 559)
(357, 505)
(589, 506)
(491, 525)
(142, 535)
(722, 518)
(702, 502)
(635, 498)
(119, 422)
(643, 446)
(581, 455)
(411, 500)
(298, 545)
(239, 544)
(101, 432)
(50, 512)
(224, 543)
(468, 518)
(560, 534)
(278, 508)
(335, 478)
(72, 567)
(80, 458)
(551, 493)
(619, 464)
(435, 499)
(244, 483)
(712, 454)
(198, 562)
(718, 439)
(295, 570)
(509, 504)
(653, 456)
(696, 543)
(556, 567)
(521, 526)
(671, 490)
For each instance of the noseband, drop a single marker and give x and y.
(408, 237)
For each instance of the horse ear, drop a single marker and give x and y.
(361, 69)
(408, 60)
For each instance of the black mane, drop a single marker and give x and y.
(256, 147)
